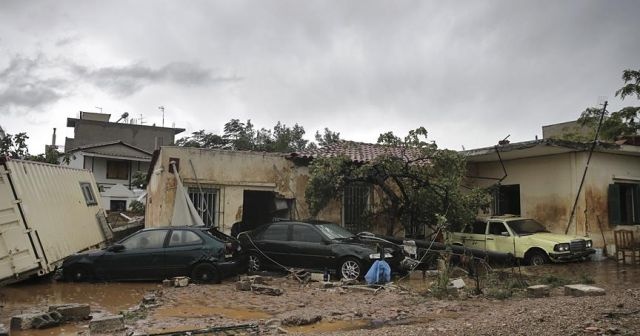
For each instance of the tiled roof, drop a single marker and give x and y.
(357, 151)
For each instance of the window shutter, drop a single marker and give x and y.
(636, 204)
(615, 217)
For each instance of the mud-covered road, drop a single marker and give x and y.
(407, 309)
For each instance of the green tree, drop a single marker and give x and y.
(618, 123)
(14, 146)
(418, 182)
(327, 138)
(202, 139)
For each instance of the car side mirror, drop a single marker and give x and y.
(116, 248)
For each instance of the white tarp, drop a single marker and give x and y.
(184, 213)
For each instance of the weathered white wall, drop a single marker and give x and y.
(549, 184)
(231, 172)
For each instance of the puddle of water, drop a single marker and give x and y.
(66, 330)
(333, 326)
(196, 311)
(113, 297)
(109, 296)
(605, 273)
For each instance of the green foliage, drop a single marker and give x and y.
(239, 135)
(418, 182)
(136, 207)
(14, 146)
(139, 179)
(619, 123)
(328, 138)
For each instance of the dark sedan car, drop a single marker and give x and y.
(315, 246)
(157, 253)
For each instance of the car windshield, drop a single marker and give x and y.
(333, 231)
(526, 226)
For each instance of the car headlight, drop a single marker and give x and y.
(561, 247)
(377, 256)
(589, 243)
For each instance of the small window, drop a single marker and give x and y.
(146, 240)
(356, 206)
(506, 200)
(497, 228)
(184, 237)
(118, 170)
(118, 205)
(624, 203)
(88, 194)
(479, 227)
(303, 233)
(276, 232)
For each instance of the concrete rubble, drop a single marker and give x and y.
(258, 285)
(181, 281)
(583, 290)
(538, 291)
(107, 324)
(72, 311)
(37, 320)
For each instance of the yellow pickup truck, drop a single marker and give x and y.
(525, 238)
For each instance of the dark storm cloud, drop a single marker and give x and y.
(37, 82)
(21, 84)
(126, 80)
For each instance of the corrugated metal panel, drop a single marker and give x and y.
(54, 206)
(16, 252)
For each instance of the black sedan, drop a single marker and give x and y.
(157, 253)
(315, 246)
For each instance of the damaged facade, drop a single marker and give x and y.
(540, 179)
(227, 186)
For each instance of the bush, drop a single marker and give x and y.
(136, 207)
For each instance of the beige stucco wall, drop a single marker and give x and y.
(549, 184)
(231, 173)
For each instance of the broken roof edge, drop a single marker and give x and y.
(223, 150)
(572, 146)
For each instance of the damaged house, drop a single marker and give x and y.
(540, 179)
(250, 187)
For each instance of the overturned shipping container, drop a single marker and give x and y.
(47, 212)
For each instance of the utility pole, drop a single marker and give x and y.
(162, 109)
(593, 146)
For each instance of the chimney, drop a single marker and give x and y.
(53, 138)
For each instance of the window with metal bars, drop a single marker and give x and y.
(355, 207)
(205, 202)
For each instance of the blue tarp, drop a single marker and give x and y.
(379, 273)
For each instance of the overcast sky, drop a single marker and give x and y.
(471, 72)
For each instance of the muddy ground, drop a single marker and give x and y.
(405, 308)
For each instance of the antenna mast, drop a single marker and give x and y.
(162, 109)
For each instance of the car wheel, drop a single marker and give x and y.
(535, 258)
(350, 269)
(254, 263)
(77, 273)
(205, 273)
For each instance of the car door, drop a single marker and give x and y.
(142, 257)
(474, 235)
(499, 238)
(184, 248)
(308, 248)
(274, 242)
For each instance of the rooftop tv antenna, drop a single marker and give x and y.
(99, 108)
(140, 120)
(161, 108)
(123, 116)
